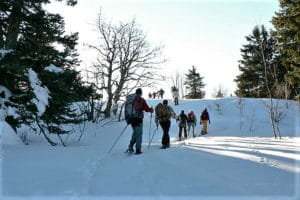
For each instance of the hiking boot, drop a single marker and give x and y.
(130, 149)
(138, 152)
(163, 147)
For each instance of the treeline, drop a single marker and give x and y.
(38, 80)
(39, 83)
(270, 63)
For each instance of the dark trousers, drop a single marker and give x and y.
(165, 141)
(180, 131)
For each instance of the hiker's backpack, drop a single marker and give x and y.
(162, 112)
(133, 108)
(192, 117)
(204, 116)
(182, 118)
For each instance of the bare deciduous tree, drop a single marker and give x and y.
(269, 86)
(241, 106)
(220, 92)
(270, 73)
(125, 60)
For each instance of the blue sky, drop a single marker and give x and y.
(205, 33)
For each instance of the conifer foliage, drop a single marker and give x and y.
(272, 60)
(260, 48)
(287, 24)
(33, 41)
(194, 84)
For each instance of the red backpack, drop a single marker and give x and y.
(192, 117)
(133, 107)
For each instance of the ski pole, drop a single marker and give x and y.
(152, 137)
(117, 139)
(150, 128)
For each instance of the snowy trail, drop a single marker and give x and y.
(230, 162)
(252, 149)
(222, 170)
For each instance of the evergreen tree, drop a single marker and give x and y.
(260, 48)
(194, 83)
(33, 40)
(287, 25)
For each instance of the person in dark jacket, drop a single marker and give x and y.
(161, 93)
(182, 118)
(165, 123)
(204, 117)
(137, 124)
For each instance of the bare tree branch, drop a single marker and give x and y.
(126, 60)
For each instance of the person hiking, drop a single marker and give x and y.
(204, 117)
(163, 114)
(137, 123)
(161, 93)
(175, 95)
(154, 95)
(182, 118)
(192, 121)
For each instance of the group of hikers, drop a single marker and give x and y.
(159, 94)
(163, 115)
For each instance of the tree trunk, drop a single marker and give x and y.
(271, 111)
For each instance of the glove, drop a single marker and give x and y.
(152, 110)
(209, 122)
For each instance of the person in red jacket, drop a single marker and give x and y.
(192, 121)
(137, 123)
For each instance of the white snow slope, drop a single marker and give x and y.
(238, 158)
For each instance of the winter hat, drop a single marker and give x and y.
(165, 101)
(138, 91)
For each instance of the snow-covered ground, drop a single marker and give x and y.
(238, 159)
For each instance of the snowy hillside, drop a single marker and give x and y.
(238, 158)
